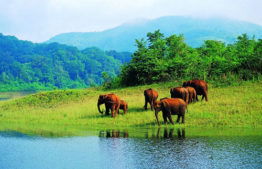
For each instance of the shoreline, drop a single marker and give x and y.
(228, 107)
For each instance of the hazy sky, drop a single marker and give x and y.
(38, 20)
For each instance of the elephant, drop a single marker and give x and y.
(173, 106)
(123, 106)
(200, 86)
(192, 94)
(150, 96)
(111, 101)
(179, 92)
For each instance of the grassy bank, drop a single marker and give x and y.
(234, 106)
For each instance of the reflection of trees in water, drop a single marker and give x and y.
(113, 134)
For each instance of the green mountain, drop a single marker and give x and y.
(195, 30)
(30, 66)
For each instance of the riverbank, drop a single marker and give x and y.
(228, 107)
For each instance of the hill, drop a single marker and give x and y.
(30, 66)
(195, 30)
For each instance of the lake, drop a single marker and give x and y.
(117, 149)
(12, 95)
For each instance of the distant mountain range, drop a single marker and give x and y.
(195, 30)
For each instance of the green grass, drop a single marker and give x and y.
(73, 111)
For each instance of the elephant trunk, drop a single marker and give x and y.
(98, 106)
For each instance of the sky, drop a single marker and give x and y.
(39, 20)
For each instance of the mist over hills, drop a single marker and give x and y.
(195, 30)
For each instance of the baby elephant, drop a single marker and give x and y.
(123, 106)
(173, 106)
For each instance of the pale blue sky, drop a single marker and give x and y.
(38, 20)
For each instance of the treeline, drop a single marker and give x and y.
(28, 66)
(160, 58)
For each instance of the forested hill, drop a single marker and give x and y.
(195, 31)
(27, 66)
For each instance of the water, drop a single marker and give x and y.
(169, 148)
(11, 95)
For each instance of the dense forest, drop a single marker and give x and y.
(160, 58)
(28, 66)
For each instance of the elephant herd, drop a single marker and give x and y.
(176, 105)
(112, 102)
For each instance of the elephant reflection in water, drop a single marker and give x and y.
(168, 133)
(113, 134)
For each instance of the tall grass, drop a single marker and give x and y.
(234, 106)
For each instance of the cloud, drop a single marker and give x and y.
(38, 20)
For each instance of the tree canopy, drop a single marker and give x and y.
(160, 58)
(28, 66)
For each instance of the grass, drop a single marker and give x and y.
(73, 111)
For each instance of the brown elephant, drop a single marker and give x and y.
(111, 101)
(200, 86)
(123, 106)
(173, 106)
(150, 97)
(191, 94)
(179, 92)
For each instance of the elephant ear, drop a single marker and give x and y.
(110, 99)
(101, 96)
(171, 91)
(164, 106)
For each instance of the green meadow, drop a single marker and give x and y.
(74, 111)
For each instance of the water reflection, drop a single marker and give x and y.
(13, 134)
(133, 148)
(169, 133)
(171, 148)
(160, 133)
(113, 134)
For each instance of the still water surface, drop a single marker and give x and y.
(116, 150)
(12, 95)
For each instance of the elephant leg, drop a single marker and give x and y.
(165, 118)
(203, 96)
(156, 114)
(191, 98)
(178, 118)
(206, 95)
(125, 110)
(117, 108)
(112, 110)
(152, 105)
(107, 111)
(183, 119)
(145, 104)
(170, 118)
